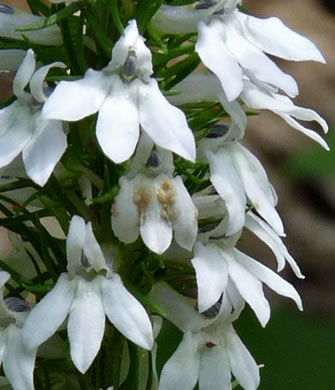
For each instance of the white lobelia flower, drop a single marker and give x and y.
(126, 98)
(12, 18)
(262, 96)
(154, 203)
(240, 180)
(42, 142)
(18, 360)
(204, 86)
(217, 263)
(85, 294)
(210, 351)
(232, 44)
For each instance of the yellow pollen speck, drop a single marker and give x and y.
(162, 196)
(141, 199)
(166, 186)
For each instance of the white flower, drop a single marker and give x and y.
(154, 204)
(201, 86)
(262, 96)
(240, 179)
(18, 360)
(232, 44)
(126, 98)
(42, 142)
(11, 19)
(86, 293)
(154, 207)
(219, 263)
(210, 349)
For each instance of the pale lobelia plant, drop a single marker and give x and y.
(115, 134)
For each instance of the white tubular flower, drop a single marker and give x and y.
(232, 44)
(210, 351)
(126, 98)
(262, 96)
(154, 207)
(42, 142)
(154, 204)
(86, 293)
(240, 179)
(204, 86)
(18, 360)
(265, 233)
(11, 19)
(219, 263)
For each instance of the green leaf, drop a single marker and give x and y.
(145, 10)
(13, 273)
(36, 288)
(114, 10)
(164, 58)
(101, 37)
(38, 6)
(53, 19)
(177, 72)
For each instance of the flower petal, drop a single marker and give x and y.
(17, 129)
(155, 228)
(74, 100)
(86, 323)
(181, 371)
(184, 223)
(258, 65)
(3, 343)
(125, 312)
(18, 362)
(242, 363)
(118, 122)
(270, 278)
(36, 82)
(44, 150)
(93, 250)
(131, 41)
(265, 233)
(217, 57)
(165, 124)
(259, 98)
(211, 273)
(248, 286)
(177, 308)
(75, 243)
(257, 186)
(214, 369)
(228, 184)
(272, 36)
(125, 216)
(49, 313)
(23, 74)
(181, 19)
(309, 133)
(237, 115)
